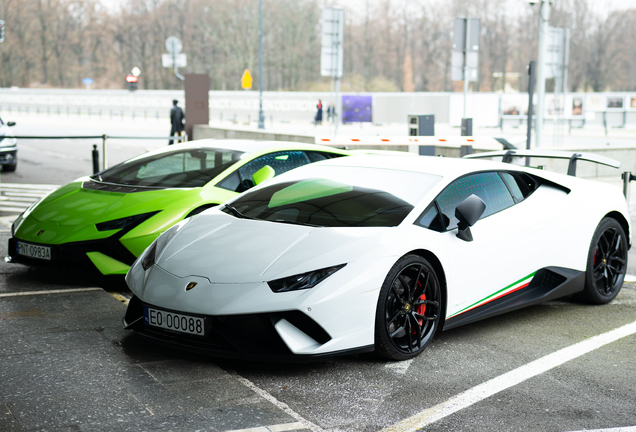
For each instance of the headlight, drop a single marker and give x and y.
(15, 226)
(148, 259)
(8, 142)
(122, 223)
(304, 280)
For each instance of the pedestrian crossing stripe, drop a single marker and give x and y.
(17, 197)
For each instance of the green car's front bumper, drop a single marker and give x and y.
(107, 256)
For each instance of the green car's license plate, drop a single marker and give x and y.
(34, 251)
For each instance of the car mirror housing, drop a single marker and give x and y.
(265, 173)
(468, 213)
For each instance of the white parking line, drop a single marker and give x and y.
(281, 405)
(510, 379)
(274, 428)
(58, 291)
(399, 367)
(618, 429)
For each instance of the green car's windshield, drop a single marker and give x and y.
(337, 197)
(176, 169)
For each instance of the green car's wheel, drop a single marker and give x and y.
(408, 310)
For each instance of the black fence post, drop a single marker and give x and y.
(95, 159)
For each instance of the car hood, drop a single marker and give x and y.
(71, 205)
(225, 249)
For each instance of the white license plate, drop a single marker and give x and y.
(34, 251)
(174, 321)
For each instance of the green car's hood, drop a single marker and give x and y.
(70, 213)
(71, 205)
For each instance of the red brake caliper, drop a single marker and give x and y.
(594, 260)
(421, 309)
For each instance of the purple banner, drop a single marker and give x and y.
(357, 109)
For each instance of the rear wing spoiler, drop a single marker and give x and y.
(483, 143)
(550, 154)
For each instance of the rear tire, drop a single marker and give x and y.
(408, 310)
(606, 263)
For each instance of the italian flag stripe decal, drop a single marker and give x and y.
(516, 286)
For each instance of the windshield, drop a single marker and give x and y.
(179, 168)
(337, 197)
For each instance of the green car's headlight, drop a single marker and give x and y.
(303, 281)
(126, 222)
(15, 226)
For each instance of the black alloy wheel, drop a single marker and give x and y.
(409, 309)
(606, 263)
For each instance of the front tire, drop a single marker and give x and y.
(606, 263)
(409, 309)
(10, 167)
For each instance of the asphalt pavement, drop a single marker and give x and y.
(66, 364)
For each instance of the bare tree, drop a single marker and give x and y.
(389, 45)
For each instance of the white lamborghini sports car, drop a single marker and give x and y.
(377, 253)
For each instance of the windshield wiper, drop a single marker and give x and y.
(237, 213)
(298, 223)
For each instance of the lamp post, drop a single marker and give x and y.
(261, 115)
(544, 16)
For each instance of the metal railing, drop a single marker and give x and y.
(104, 138)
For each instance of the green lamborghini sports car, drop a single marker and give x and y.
(102, 223)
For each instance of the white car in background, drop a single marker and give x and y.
(8, 147)
(377, 253)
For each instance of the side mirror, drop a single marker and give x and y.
(10, 123)
(468, 212)
(265, 173)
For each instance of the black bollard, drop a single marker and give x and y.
(95, 159)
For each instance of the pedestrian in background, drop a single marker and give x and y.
(318, 119)
(331, 113)
(176, 121)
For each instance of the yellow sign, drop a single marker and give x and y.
(246, 80)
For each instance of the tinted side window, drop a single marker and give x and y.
(431, 219)
(515, 188)
(487, 186)
(281, 162)
(319, 156)
(231, 182)
(520, 183)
